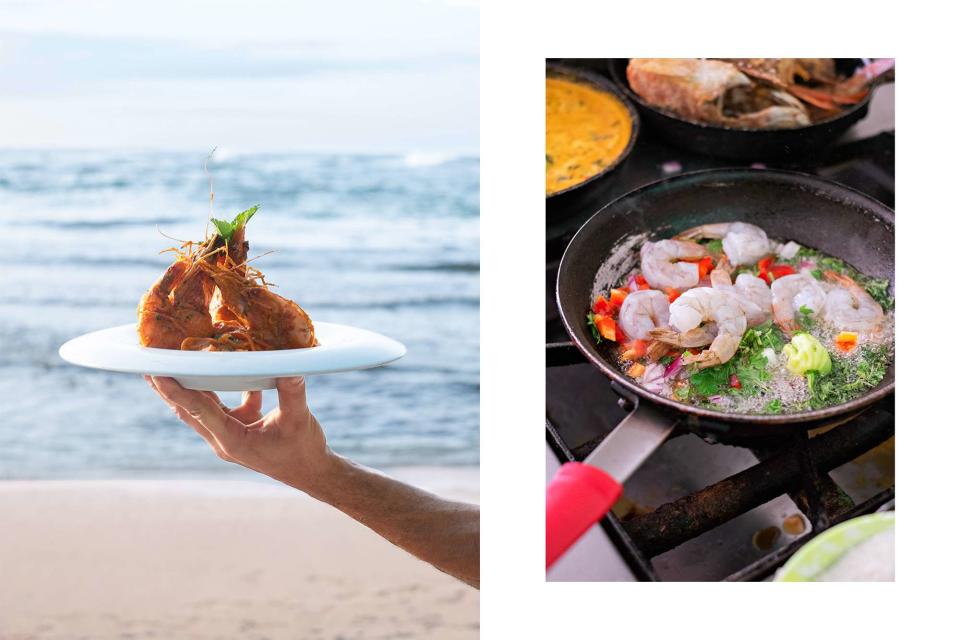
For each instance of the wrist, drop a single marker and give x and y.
(326, 475)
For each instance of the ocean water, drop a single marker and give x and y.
(388, 243)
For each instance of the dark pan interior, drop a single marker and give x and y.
(788, 206)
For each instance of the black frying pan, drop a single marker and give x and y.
(791, 206)
(743, 144)
(814, 212)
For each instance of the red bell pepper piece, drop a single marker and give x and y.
(642, 283)
(606, 325)
(635, 349)
(780, 270)
(620, 335)
(672, 294)
(617, 296)
(735, 381)
(602, 306)
(705, 265)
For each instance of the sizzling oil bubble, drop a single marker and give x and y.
(372, 241)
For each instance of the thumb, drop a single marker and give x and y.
(292, 396)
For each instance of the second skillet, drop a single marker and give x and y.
(743, 144)
(816, 213)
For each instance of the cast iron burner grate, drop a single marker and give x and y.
(702, 510)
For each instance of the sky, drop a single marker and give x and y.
(367, 76)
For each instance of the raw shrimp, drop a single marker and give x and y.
(176, 307)
(663, 264)
(743, 243)
(704, 305)
(642, 311)
(266, 320)
(749, 287)
(792, 292)
(850, 308)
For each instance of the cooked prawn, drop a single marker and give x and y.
(671, 263)
(850, 308)
(265, 320)
(176, 307)
(700, 306)
(793, 292)
(743, 243)
(642, 311)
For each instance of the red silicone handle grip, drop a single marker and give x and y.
(577, 498)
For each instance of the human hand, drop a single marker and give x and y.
(287, 444)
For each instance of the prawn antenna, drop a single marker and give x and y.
(171, 237)
(206, 170)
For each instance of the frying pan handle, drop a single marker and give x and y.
(577, 497)
(580, 494)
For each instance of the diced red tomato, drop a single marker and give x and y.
(706, 266)
(764, 264)
(642, 283)
(734, 381)
(617, 296)
(602, 306)
(606, 325)
(672, 294)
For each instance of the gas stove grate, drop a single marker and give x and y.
(796, 466)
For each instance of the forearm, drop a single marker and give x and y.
(444, 533)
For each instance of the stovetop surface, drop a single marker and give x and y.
(581, 405)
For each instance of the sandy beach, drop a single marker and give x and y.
(215, 559)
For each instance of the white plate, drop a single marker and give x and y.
(342, 348)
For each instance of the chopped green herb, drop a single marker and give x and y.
(878, 290)
(715, 246)
(850, 377)
(749, 364)
(593, 329)
(665, 360)
(774, 406)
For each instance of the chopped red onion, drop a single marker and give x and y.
(673, 368)
(671, 166)
(652, 379)
(715, 399)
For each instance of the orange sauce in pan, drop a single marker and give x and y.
(587, 130)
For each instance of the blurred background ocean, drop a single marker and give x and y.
(388, 243)
(359, 139)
